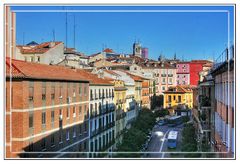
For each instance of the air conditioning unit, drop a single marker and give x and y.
(60, 117)
(60, 97)
(69, 100)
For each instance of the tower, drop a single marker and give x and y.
(175, 57)
(137, 50)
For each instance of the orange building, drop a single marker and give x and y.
(145, 93)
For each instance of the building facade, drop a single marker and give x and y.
(120, 102)
(183, 73)
(44, 53)
(167, 77)
(224, 139)
(179, 96)
(102, 118)
(47, 111)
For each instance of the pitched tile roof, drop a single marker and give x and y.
(93, 78)
(108, 50)
(180, 89)
(22, 69)
(39, 49)
(136, 77)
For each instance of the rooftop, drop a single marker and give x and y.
(38, 49)
(22, 69)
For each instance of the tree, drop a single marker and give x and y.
(136, 136)
(189, 142)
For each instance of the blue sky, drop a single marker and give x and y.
(191, 35)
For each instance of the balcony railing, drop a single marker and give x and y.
(204, 101)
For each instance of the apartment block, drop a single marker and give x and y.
(223, 74)
(46, 111)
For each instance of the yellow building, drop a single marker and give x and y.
(120, 103)
(178, 95)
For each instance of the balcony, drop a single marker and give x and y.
(204, 101)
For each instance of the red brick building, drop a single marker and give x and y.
(46, 111)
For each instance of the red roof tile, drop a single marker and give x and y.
(108, 50)
(41, 71)
(93, 78)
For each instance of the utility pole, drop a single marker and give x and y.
(74, 32)
(66, 31)
(53, 32)
(23, 38)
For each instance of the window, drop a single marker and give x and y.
(31, 93)
(43, 90)
(85, 127)
(68, 112)
(163, 88)
(52, 140)
(91, 94)
(25, 58)
(169, 98)
(95, 108)
(74, 132)
(38, 59)
(43, 144)
(74, 89)
(80, 110)
(85, 111)
(60, 90)
(102, 93)
(85, 89)
(109, 93)
(170, 81)
(67, 135)
(80, 89)
(52, 116)
(163, 80)
(80, 129)
(99, 92)
(43, 118)
(74, 111)
(30, 120)
(85, 145)
(60, 112)
(179, 99)
(100, 143)
(53, 92)
(32, 59)
(106, 93)
(60, 137)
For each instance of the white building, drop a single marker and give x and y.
(44, 53)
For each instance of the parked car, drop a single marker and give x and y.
(161, 122)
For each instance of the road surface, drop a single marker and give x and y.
(157, 146)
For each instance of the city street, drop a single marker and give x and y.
(158, 143)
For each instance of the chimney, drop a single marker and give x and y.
(52, 44)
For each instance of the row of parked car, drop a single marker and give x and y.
(145, 145)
